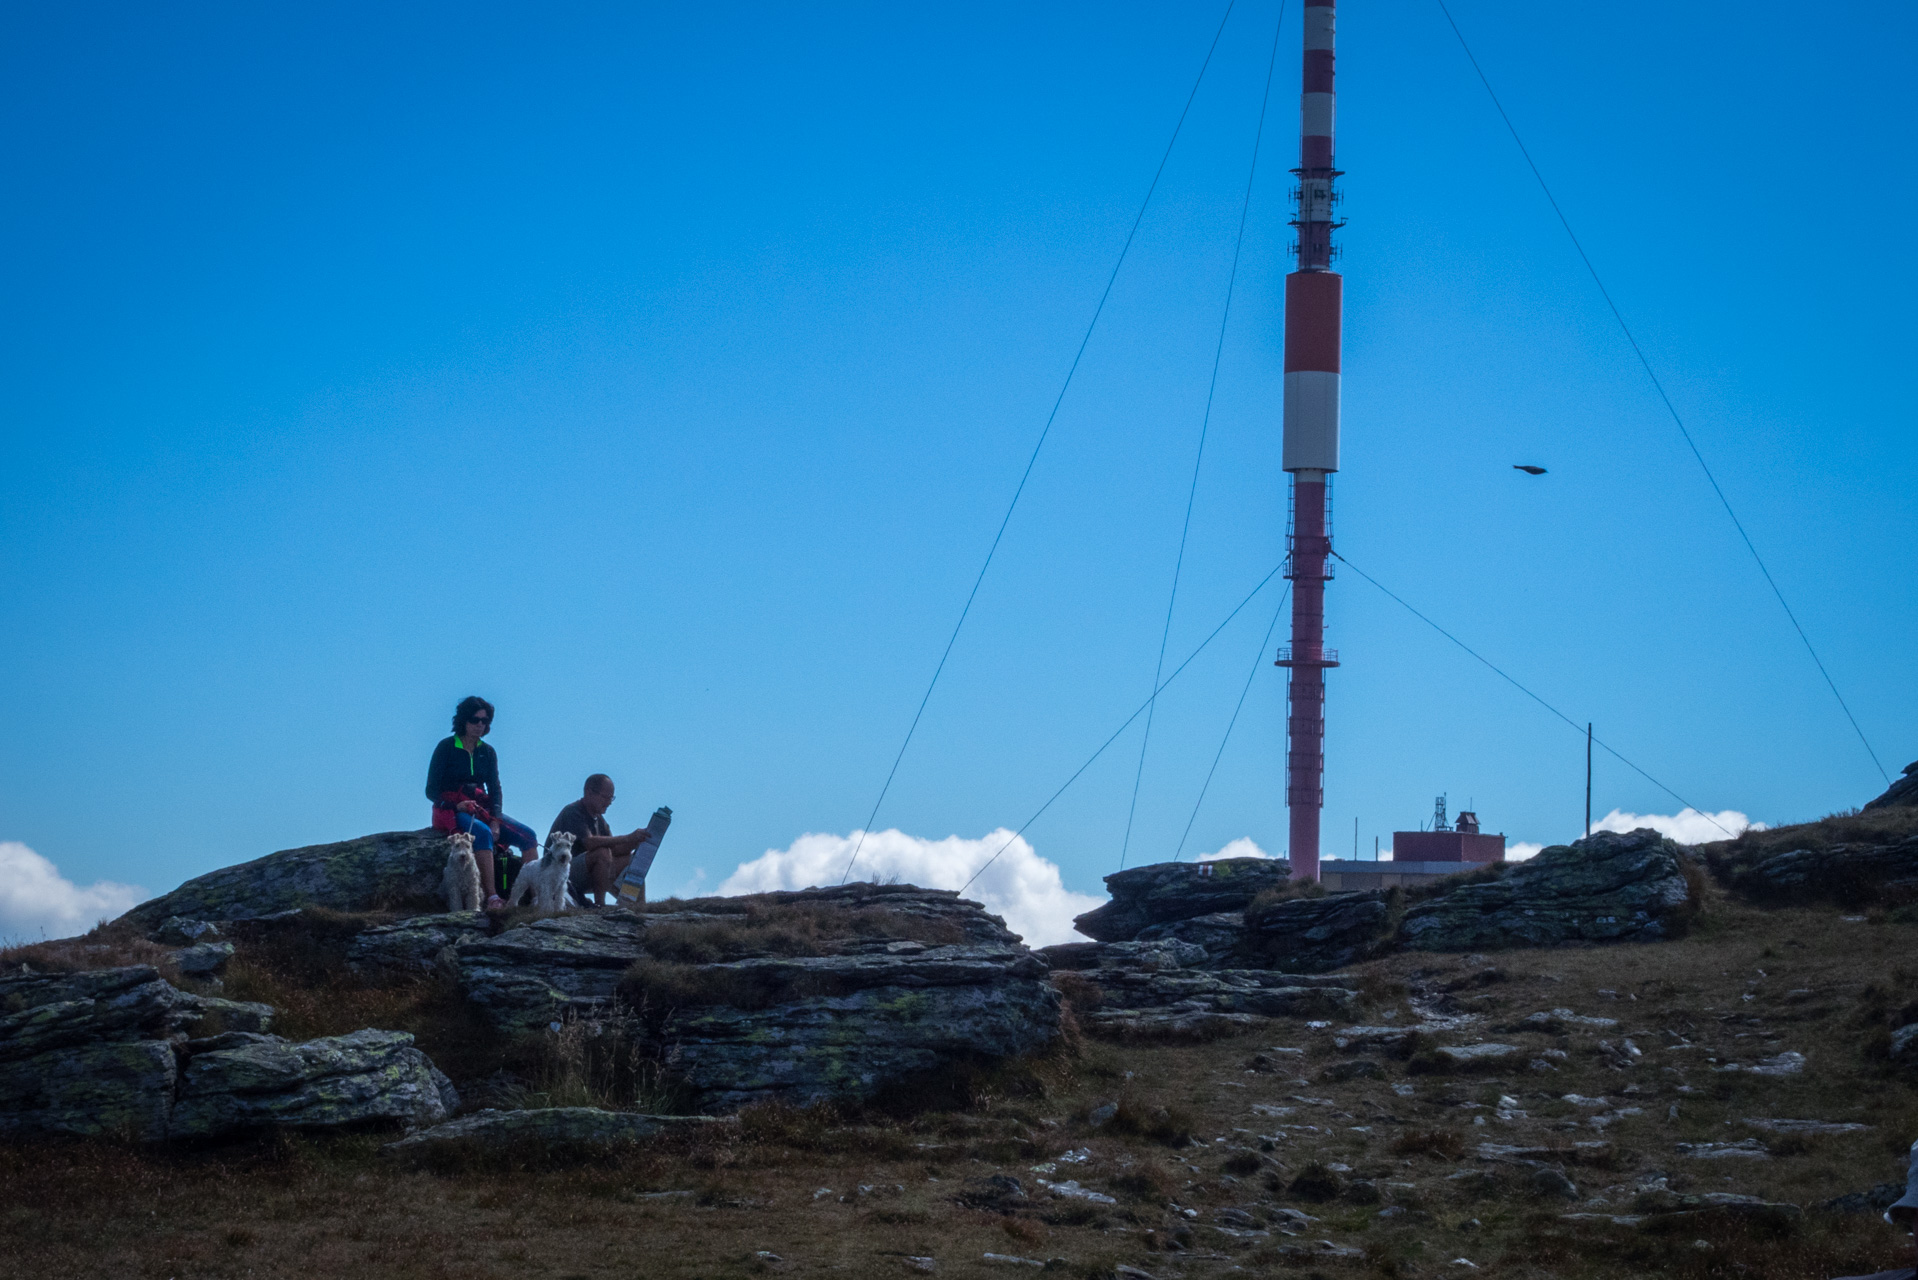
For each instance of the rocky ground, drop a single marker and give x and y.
(1727, 1103)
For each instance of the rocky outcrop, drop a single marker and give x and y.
(240, 1080)
(1902, 792)
(1159, 954)
(1221, 934)
(41, 1012)
(393, 869)
(417, 946)
(1316, 935)
(1849, 874)
(1168, 891)
(754, 1026)
(900, 1015)
(1163, 990)
(108, 1053)
(115, 1088)
(1608, 888)
(203, 960)
(534, 974)
(549, 1127)
(179, 931)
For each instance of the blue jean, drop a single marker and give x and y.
(514, 835)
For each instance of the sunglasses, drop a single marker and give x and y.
(481, 720)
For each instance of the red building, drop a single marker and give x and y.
(1462, 843)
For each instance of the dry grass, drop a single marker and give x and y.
(1876, 826)
(789, 929)
(105, 946)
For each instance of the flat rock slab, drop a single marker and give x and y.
(1577, 1152)
(1261, 992)
(350, 875)
(1157, 956)
(246, 1081)
(1749, 1149)
(581, 1126)
(1809, 1128)
(1788, 1063)
(1606, 888)
(1560, 1021)
(1473, 1055)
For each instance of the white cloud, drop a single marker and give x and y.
(37, 902)
(1240, 848)
(1021, 886)
(1688, 826)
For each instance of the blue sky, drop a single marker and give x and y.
(662, 374)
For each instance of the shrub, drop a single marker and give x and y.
(1445, 1144)
(1082, 994)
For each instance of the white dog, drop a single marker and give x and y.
(460, 882)
(546, 879)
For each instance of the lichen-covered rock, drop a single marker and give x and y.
(899, 1015)
(112, 1088)
(1221, 935)
(548, 1127)
(1851, 874)
(46, 1011)
(179, 931)
(1315, 935)
(394, 867)
(232, 1015)
(1166, 891)
(204, 959)
(1608, 888)
(93, 1053)
(416, 946)
(243, 1081)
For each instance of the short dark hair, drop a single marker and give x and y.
(468, 708)
(597, 783)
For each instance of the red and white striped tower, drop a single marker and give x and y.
(1312, 321)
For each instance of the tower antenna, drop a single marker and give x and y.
(1311, 450)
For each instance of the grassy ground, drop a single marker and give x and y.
(1210, 1143)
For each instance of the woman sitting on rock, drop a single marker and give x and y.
(463, 784)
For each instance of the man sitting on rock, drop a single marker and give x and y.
(599, 856)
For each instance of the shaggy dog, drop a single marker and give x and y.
(460, 882)
(546, 879)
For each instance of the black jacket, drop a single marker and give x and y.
(454, 776)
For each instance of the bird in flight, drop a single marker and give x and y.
(1528, 470)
